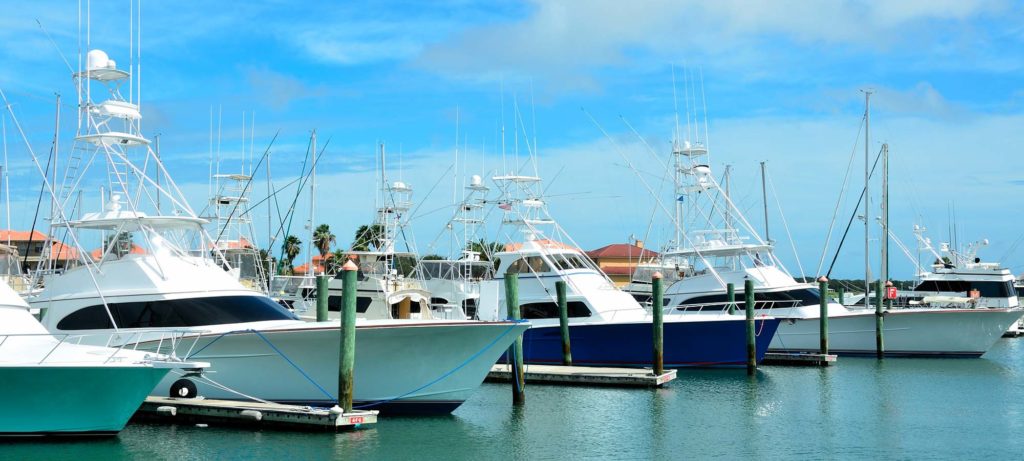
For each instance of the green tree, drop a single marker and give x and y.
(291, 248)
(334, 261)
(323, 239)
(486, 249)
(368, 237)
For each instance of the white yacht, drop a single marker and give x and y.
(607, 326)
(54, 385)
(724, 248)
(158, 271)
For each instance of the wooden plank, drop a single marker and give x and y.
(591, 376)
(253, 414)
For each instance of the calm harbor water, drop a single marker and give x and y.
(861, 408)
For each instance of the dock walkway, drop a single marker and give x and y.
(253, 414)
(585, 376)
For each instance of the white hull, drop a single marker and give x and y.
(408, 367)
(907, 332)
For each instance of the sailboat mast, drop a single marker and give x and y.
(312, 209)
(867, 196)
(764, 200)
(885, 213)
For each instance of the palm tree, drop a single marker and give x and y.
(291, 247)
(486, 249)
(334, 261)
(323, 239)
(367, 236)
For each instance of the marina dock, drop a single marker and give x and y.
(252, 414)
(807, 359)
(585, 376)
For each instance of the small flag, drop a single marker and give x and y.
(682, 198)
(505, 206)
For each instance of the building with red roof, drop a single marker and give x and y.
(619, 260)
(32, 245)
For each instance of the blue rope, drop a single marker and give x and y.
(272, 346)
(299, 369)
(449, 373)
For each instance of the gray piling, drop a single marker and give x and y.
(563, 322)
(515, 352)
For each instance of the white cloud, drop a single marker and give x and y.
(564, 42)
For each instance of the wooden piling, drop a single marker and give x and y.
(879, 320)
(347, 355)
(563, 322)
(842, 295)
(823, 313)
(657, 312)
(515, 352)
(748, 306)
(730, 291)
(321, 298)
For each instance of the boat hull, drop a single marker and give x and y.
(414, 368)
(908, 332)
(72, 400)
(718, 343)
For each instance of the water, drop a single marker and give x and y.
(861, 408)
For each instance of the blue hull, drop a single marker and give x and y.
(686, 344)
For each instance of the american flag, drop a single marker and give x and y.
(505, 206)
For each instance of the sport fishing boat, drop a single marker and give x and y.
(53, 385)
(729, 251)
(158, 270)
(607, 327)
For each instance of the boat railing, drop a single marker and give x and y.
(117, 352)
(721, 306)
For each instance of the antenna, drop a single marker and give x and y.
(704, 101)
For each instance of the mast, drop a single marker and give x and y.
(885, 213)
(867, 196)
(312, 209)
(728, 196)
(764, 200)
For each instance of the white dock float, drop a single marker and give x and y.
(808, 359)
(252, 414)
(584, 376)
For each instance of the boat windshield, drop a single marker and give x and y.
(992, 289)
(454, 270)
(762, 300)
(189, 312)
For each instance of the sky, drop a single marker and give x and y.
(776, 82)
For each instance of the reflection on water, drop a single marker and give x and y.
(860, 408)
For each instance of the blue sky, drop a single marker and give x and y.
(781, 81)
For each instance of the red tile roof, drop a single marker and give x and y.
(97, 253)
(22, 236)
(622, 250)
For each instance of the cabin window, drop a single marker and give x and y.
(987, 289)
(190, 312)
(762, 300)
(549, 310)
(528, 265)
(362, 303)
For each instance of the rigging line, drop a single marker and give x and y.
(268, 197)
(298, 192)
(39, 200)
(61, 53)
(842, 193)
(785, 225)
(658, 200)
(852, 217)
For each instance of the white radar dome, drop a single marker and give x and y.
(97, 59)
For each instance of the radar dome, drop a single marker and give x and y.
(97, 59)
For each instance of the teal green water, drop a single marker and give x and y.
(861, 408)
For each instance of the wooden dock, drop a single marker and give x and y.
(251, 414)
(806, 359)
(584, 376)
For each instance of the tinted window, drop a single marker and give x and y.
(528, 265)
(191, 312)
(362, 303)
(762, 300)
(987, 289)
(550, 310)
